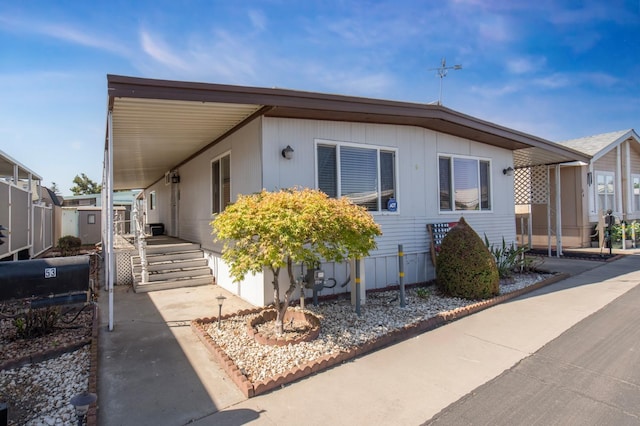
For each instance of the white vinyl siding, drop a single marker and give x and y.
(364, 174)
(465, 183)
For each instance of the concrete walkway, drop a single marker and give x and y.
(154, 371)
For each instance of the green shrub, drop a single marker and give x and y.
(69, 245)
(36, 322)
(465, 267)
(509, 259)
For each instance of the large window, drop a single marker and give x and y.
(220, 184)
(605, 191)
(465, 183)
(365, 175)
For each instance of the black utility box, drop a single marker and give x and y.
(156, 229)
(44, 277)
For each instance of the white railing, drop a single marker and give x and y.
(141, 240)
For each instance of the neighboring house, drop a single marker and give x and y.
(609, 181)
(194, 147)
(23, 211)
(81, 215)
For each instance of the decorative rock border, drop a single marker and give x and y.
(253, 389)
(271, 314)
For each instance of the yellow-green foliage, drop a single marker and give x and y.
(279, 229)
(465, 267)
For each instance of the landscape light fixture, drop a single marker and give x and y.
(81, 403)
(442, 70)
(220, 300)
(287, 152)
(508, 171)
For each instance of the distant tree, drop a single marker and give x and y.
(54, 188)
(84, 185)
(275, 230)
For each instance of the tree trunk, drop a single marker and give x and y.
(281, 308)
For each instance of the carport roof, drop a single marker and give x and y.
(158, 125)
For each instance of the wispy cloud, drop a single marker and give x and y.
(157, 49)
(258, 19)
(65, 32)
(525, 64)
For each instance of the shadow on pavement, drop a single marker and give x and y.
(147, 373)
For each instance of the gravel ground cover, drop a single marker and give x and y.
(341, 328)
(38, 376)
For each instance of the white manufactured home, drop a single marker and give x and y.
(194, 147)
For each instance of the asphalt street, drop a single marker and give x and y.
(589, 375)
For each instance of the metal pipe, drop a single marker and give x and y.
(357, 284)
(403, 302)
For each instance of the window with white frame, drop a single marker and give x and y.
(152, 200)
(220, 183)
(605, 191)
(464, 182)
(635, 192)
(364, 174)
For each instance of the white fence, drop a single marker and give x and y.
(30, 225)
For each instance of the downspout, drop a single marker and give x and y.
(109, 194)
(558, 214)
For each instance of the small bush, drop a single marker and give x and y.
(423, 292)
(465, 267)
(69, 245)
(36, 322)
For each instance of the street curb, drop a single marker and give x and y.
(250, 389)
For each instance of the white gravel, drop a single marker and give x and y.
(42, 391)
(45, 389)
(341, 328)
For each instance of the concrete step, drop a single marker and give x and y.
(167, 265)
(175, 283)
(171, 248)
(176, 255)
(174, 273)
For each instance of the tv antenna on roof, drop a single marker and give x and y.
(442, 70)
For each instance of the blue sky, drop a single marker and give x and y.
(555, 69)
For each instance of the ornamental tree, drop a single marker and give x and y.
(275, 230)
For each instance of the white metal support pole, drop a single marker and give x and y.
(31, 211)
(627, 158)
(558, 213)
(618, 191)
(110, 230)
(548, 214)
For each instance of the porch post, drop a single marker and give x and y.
(558, 214)
(110, 230)
(618, 189)
(548, 213)
(629, 186)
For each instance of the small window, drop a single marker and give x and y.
(220, 184)
(366, 175)
(465, 183)
(91, 218)
(152, 200)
